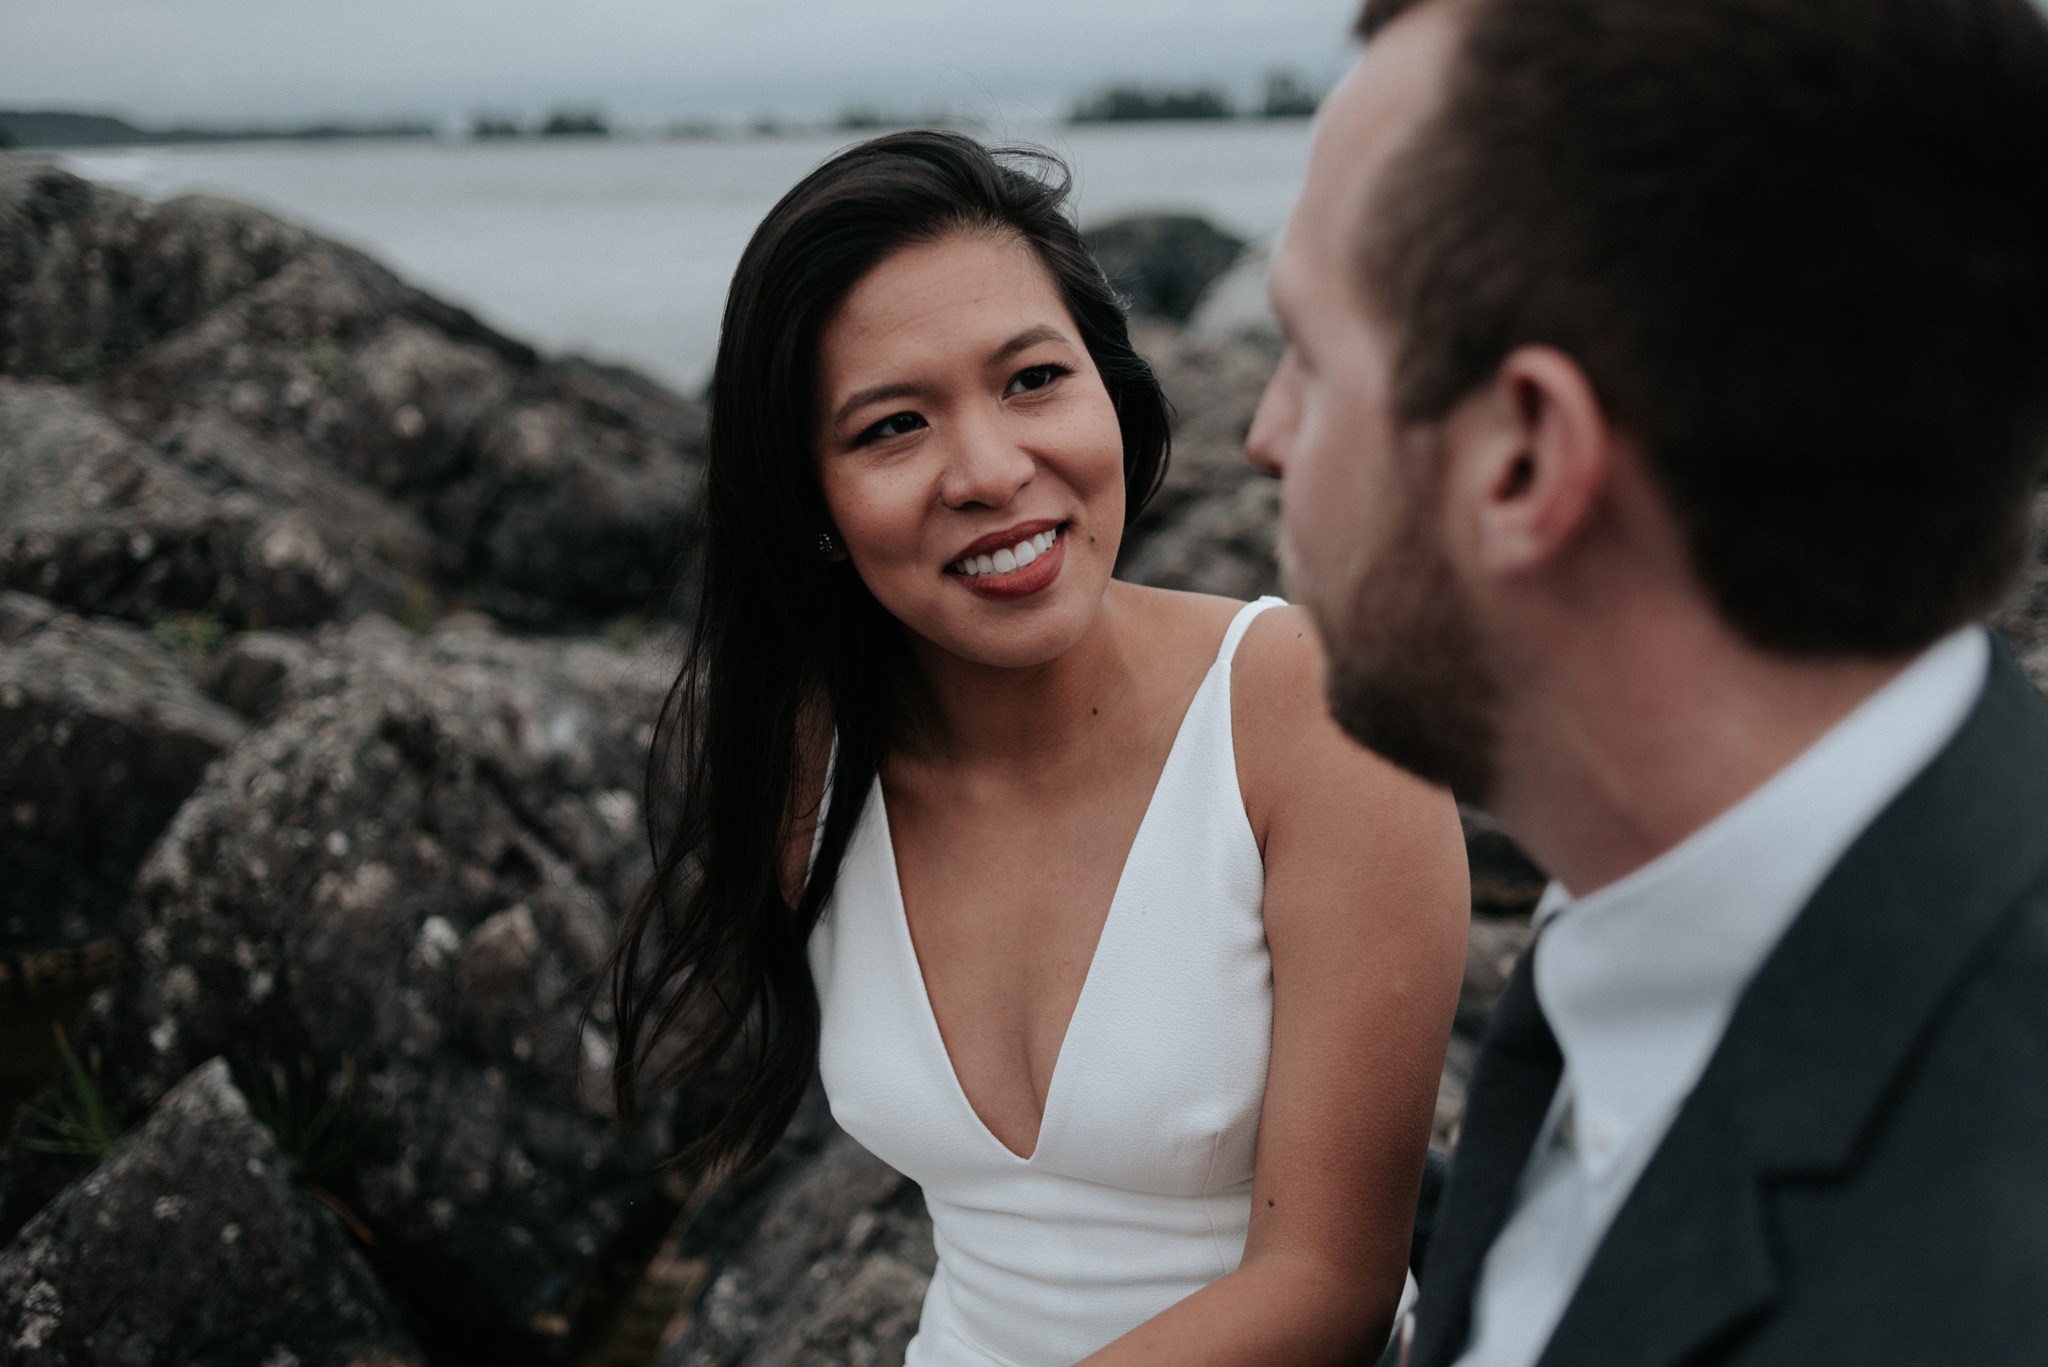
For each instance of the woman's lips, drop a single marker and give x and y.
(1021, 582)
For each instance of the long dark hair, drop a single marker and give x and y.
(711, 965)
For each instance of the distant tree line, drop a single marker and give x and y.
(566, 121)
(61, 128)
(1286, 96)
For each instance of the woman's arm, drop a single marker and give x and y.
(1366, 911)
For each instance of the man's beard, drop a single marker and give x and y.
(1406, 674)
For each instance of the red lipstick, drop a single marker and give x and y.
(1023, 581)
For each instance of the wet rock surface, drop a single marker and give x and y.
(193, 1243)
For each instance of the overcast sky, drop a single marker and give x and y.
(644, 61)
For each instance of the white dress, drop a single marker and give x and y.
(1139, 1192)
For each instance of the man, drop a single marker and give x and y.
(1666, 393)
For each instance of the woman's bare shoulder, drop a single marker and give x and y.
(1289, 749)
(1174, 622)
(1276, 681)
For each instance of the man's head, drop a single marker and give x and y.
(1790, 258)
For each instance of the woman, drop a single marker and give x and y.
(1091, 920)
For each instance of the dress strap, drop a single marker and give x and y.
(1242, 622)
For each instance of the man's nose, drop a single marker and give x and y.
(1274, 424)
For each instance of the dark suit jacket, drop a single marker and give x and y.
(1861, 1175)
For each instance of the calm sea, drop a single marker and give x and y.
(623, 249)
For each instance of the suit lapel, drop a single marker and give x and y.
(1829, 1023)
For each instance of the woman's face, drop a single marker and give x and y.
(969, 454)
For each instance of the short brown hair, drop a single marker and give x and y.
(1800, 248)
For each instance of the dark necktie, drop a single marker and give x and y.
(1512, 1086)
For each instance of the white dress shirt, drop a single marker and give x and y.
(1638, 981)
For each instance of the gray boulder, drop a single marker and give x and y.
(821, 1264)
(208, 521)
(308, 408)
(394, 895)
(89, 276)
(101, 738)
(191, 1244)
(1163, 263)
(1214, 525)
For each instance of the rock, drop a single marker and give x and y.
(293, 410)
(832, 1262)
(89, 276)
(190, 1243)
(253, 673)
(1237, 304)
(408, 878)
(101, 738)
(206, 522)
(1505, 881)
(1214, 525)
(583, 497)
(1163, 262)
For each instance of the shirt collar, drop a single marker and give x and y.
(1638, 979)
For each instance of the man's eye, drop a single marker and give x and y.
(895, 425)
(1037, 377)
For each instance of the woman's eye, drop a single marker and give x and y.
(895, 425)
(1037, 377)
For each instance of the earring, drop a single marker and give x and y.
(826, 545)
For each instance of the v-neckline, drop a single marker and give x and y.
(1116, 897)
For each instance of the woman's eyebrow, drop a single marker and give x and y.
(880, 393)
(1030, 337)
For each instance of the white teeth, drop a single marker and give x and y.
(1008, 560)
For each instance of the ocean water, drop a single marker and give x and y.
(622, 250)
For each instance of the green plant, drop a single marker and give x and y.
(84, 1126)
(194, 635)
(420, 610)
(625, 634)
(315, 1121)
(325, 358)
(83, 364)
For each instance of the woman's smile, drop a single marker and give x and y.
(1012, 564)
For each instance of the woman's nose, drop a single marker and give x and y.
(987, 466)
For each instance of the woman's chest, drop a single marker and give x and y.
(1154, 1083)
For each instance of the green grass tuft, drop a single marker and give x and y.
(84, 1126)
(82, 365)
(316, 1123)
(192, 635)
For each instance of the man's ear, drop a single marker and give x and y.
(1532, 452)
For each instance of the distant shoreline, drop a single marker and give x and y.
(1285, 98)
(41, 130)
